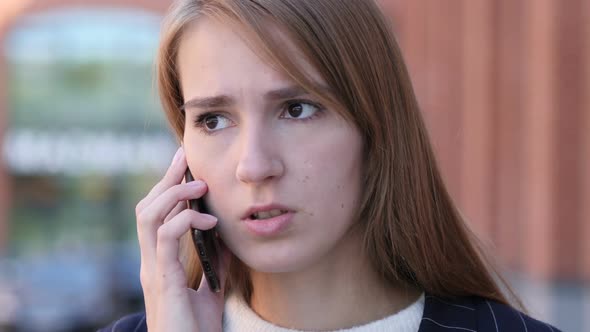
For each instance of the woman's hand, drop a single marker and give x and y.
(162, 219)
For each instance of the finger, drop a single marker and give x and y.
(170, 270)
(163, 205)
(152, 217)
(174, 175)
(182, 205)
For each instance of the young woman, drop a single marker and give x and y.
(300, 121)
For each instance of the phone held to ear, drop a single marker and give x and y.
(205, 242)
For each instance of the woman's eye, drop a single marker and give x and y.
(300, 110)
(212, 122)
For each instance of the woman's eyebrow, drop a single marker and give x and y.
(209, 102)
(222, 101)
(285, 93)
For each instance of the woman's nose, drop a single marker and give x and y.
(259, 159)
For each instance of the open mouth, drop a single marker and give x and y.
(267, 214)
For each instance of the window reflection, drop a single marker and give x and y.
(85, 141)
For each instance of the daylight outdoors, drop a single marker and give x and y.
(503, 86)
(85, 140)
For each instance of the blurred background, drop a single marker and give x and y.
(504, 86)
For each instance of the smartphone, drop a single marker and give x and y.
(205, 242)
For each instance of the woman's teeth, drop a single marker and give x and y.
(267, 214)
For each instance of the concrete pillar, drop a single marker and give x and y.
(412, 39)
(537, 138)
(568, 119)
(584, 258)
(444, 91)
(477, 186)
(509, 68)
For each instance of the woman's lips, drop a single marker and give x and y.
(271, 226)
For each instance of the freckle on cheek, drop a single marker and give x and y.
(342, 205)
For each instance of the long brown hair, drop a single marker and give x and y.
(412, 231)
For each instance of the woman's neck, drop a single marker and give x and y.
(339, 291)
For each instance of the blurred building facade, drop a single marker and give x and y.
(504, 87)
(82, 140)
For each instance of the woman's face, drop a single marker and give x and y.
(261, 141)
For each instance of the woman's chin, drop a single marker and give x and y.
(273, 267)
(275, 262)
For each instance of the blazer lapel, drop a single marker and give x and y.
(448, 315)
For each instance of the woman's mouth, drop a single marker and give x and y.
(269, 223)
(261, 215)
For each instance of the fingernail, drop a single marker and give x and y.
(196, 183)
(209, 218)
(178, 155)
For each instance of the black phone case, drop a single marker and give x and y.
(205, 243)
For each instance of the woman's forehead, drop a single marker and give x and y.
(213, 50)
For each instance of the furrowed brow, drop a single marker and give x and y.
(293, 92)
(223, 101)
(209, 102)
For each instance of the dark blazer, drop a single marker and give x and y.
(467, 314)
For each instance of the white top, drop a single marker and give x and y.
(238, 317)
